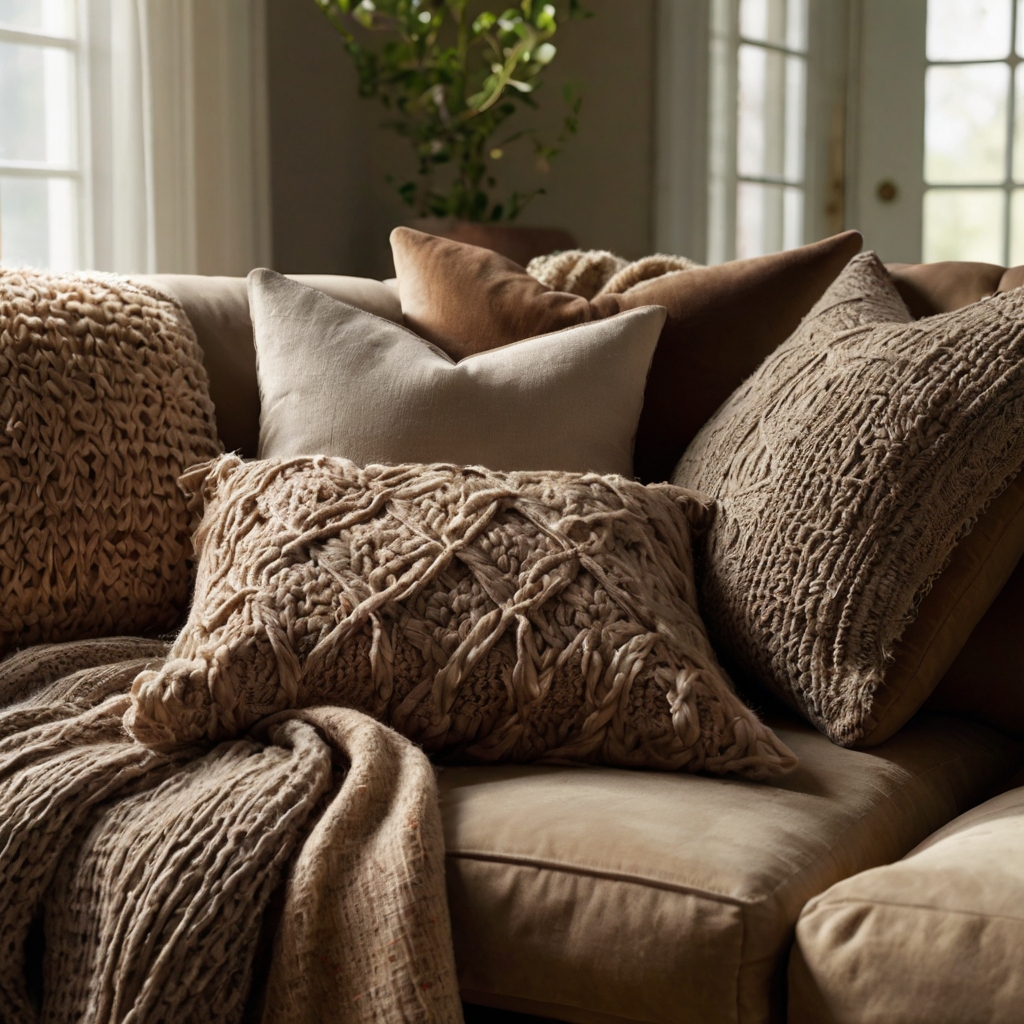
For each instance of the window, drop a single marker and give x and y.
(39, 159)
(761, 47)
(974, 115)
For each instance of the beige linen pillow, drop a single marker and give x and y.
(519, 616)
(846, 470)
(336, 380)
(103, 401)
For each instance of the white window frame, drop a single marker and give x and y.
(695, 158)
(77, 171)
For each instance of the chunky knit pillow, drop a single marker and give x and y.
(846, 470)
(103, 403)
(496, 616)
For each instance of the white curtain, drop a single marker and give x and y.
(176, 145)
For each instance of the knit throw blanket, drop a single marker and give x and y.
(593, 272)
(291, 875)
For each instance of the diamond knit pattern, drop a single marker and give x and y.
(492, 616)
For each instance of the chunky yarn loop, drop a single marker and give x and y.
(103, 403)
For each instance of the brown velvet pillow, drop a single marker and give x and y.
(722, 321)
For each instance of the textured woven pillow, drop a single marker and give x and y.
(846, 469)
(104, 402)
(518, 616)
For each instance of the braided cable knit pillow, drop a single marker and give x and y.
(495, 616)
(103, 403)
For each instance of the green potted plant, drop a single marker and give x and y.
(451, 76)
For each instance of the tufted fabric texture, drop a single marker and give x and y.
(152, 874)
(103, 402)
(845, 470)
(493, 616)
(592, 272)
(581, 272)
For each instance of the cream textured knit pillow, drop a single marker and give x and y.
(103, 403)
(845, 471)
(336, 380)
(517, 617)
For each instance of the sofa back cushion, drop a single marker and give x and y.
(930, 288)
(218, 308)
(105, 403)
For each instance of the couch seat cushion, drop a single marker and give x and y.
(934, 938)
(601, 895)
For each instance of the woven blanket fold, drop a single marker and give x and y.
(148, 875)
(593, 272)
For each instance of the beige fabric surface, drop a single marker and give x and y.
(104, 402)
(338, 381)
(494, 616)
(605, 896)
(218, 308)
(152, 873)
(935, 938)
(845, 471)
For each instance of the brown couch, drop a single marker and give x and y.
(604, 896)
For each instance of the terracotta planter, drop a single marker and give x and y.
(516, 242)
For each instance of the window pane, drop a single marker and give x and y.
(965, 123)
(36, 103)
(769, 218)
(780, 22)
(1018, 125)
(1017, 228)
(55, 17)
(968, 29)
(758, 132)
(963, 224)
(793, 218)
(796, 104)
(37, 222)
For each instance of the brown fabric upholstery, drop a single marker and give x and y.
(930, 288)
(604, 895)
(722, 321)
(934, 645)
(218, 308)
(1012, 278)
(986, 680)
(935, 938)
(846, 470)
(467, 299)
